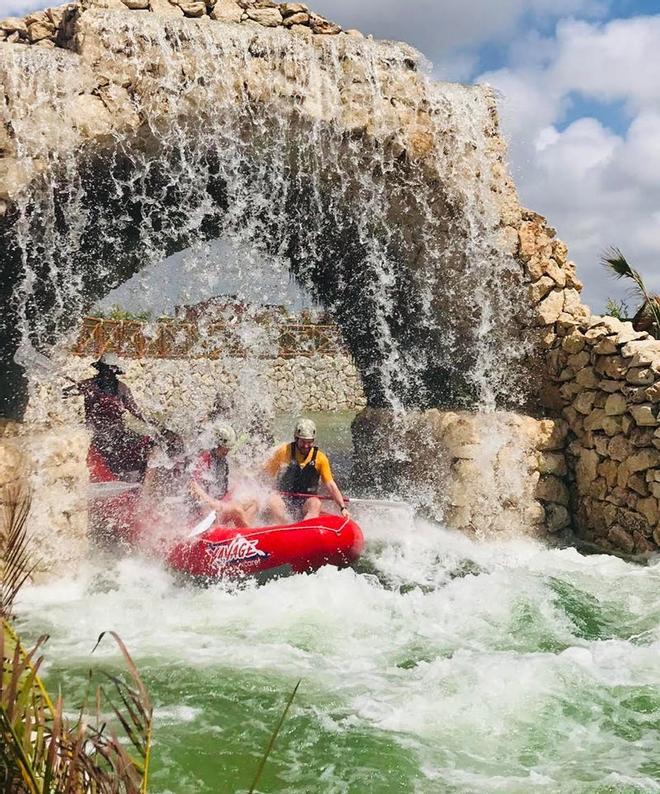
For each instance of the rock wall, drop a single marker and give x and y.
(50, 470)
(483, 473)
(603, 378)
(181, 392)
(55, 27)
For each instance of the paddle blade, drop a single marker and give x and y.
(204, 524)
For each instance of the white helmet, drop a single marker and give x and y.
(305, 428)
(224, 435)
(111, 361)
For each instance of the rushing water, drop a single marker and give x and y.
(295, 151)
(439, 665)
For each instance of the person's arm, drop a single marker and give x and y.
(200, 494)
(328, 480)
(336, 494)
(272, 466)
(129, 403)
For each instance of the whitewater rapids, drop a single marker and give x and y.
(439, 665)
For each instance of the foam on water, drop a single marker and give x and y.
(467, 667)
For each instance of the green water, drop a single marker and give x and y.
(538, 672)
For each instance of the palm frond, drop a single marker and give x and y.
(617, 265)
(15, 554)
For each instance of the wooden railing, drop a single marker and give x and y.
(185, 339)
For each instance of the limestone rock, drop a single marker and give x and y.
(539, 289)
(584, 402)
(619, 448)
(552, 489)
(552, 463)
(649, 509)
(39, 31)
(136, 4)
(550, 434)
(645, 459)
(226, 11)
(550, 308)
(165, 8)
(194, 9)
(556, 517)
(612, 366)
(289, 9)
(268, 17)
(640, 376)
(573, 343)
(616, 404)
(642, 353)
(296, 19)
(323, 26)
(14, 25)
(621, 539)
(644, 414)
(588, 378)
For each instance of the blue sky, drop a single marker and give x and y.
(579, 82)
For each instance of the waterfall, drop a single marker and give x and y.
(334, 157)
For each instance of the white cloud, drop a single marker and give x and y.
(441, 27)
(599, 187)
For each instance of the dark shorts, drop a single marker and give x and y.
(295, 506)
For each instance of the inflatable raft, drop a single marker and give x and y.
(216, 552)
(223, 552)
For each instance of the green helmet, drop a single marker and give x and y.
(305, 428)
(224, 435)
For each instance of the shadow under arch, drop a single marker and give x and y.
(400, 325)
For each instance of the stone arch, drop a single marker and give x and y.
(386, 192)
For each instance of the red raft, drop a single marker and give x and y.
(223, 552)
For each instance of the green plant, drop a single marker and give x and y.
(618, 309)
(116, 312)
(42, 752)
(618, 266)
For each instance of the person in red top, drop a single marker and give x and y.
(122, 453)
(299, 468)
(210, 482)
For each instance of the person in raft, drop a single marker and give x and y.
(299, 467)
(114, 448)
(210, 481)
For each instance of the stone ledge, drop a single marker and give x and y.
(55, 27)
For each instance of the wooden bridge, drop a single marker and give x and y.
(174, 338)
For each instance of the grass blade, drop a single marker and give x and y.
(273, 738)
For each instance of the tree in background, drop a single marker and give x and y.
(648, 314)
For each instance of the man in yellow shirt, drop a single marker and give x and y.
(299, 467)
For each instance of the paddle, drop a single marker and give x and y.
(391, 503)
(204, 524)
(111, 488)
(29, 358)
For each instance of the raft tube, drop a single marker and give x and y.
(224, 552)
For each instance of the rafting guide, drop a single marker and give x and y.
(300, 467)
(115, 452)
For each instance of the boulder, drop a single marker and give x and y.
(644, 415)
(268, 17)
(226, 11)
